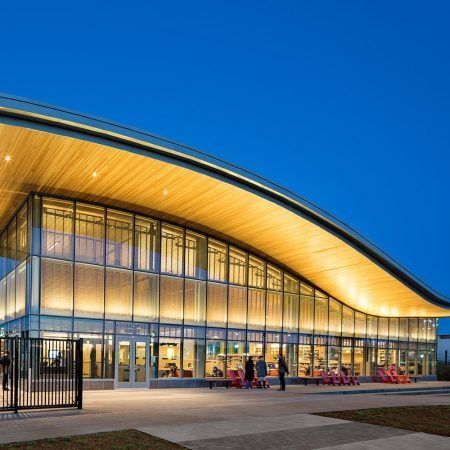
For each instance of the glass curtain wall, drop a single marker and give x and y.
(86, 262)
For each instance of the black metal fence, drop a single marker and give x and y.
(40, 373)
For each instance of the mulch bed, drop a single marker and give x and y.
(425, 419)
(114, 440)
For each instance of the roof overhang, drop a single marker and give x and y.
(55, 152)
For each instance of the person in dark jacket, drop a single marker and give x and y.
(249, 372)
(261, 372)
(282, 371)
(5, 362)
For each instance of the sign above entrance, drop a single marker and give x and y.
(132, 328)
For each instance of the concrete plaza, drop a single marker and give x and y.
(231, 418)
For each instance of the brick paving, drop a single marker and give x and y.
(231, 418)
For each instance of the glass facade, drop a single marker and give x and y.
(139, 289)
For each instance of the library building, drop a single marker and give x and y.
(173, 266)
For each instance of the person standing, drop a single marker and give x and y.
(282, 371)
(5, 362)
(249, 372)
(261, 372)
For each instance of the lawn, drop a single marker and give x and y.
(424, 419)
(114, 440)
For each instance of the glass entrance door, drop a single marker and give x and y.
(132, 362)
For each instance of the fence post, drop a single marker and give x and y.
(15, 380)
(79, 371)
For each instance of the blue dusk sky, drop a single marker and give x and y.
(345, 103)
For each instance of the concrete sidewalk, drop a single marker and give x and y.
(231, 418)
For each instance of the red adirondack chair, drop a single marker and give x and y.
(345, 379)
(385, 376)
(242, 377)
(401, 379)
(326, 378)
(336, 379)
(353, 380)
(235, 379)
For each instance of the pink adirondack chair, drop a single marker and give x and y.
(353, 380)
(235, 379)
(384, 376)
(345, 379)
(326, 378)
(400, 378)
(242, 376)
(336, 379)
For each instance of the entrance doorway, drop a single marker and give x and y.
(132, 362)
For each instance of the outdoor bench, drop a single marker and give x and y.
(219, 382)
(307, 378)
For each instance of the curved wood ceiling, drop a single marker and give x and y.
(59, 161)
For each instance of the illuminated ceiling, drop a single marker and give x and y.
(56, 152)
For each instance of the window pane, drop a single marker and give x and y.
(383, 328)
(146, 251)
(273, 311)
(21, 286)
(171, 249)
(10, 295)
(194, 302)
(237, 307)
(348, 321)
(431, 330)
(273, 278)
(238, 266)
(413, 329)
(256, 309)
(217, 305)
(403, 330)
(56, 287)
(256, 272)
(57, 228)
(217, 260)
(146, 297)
(291, 284)
(360, 324)
(215, 358)
(335, 317)
(372, 326)
(193, 358)
(306, 314)
(169, 358)
(321, 316)
(89, 233)
(89, 292)
(3, 253)
(393, 328)
(119, 238)
(290, 312)
(22, 234)
(196, 255)
(3, 300)
(118, 298)
(422, 329)
(12, 247)
(171, 300)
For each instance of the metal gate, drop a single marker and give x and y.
(40, 373)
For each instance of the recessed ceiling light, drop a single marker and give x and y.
(94, 173)
(165, 192)
(8, 158)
